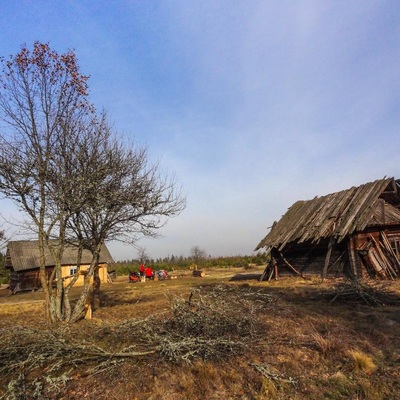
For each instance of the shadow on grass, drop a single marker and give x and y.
(245, 277)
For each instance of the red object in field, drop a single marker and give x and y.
(133, 277)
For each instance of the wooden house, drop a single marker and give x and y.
(355, 232)
(22, 259)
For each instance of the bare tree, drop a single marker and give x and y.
(130, 197)
(142, 255)
(3, 239)
(197, 253)
(69, 173)
(43, 100)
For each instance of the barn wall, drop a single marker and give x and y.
(392, 233)
(309, 258)
(379, 250)
(30, 279)
(26, 280)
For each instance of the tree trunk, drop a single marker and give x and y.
(79, 308)
(81, 305)
(96, 300)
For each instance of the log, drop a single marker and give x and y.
(200, 274)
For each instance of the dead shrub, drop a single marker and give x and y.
(268, 390)
(323, 344)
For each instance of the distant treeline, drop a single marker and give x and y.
(171, 263)
(174, 263)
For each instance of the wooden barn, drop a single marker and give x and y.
(22, 258)
(355, 232)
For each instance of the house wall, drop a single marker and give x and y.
(68, 271)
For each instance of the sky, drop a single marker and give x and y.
(252, 105)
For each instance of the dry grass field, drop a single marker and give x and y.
(223, 336)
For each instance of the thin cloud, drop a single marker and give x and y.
(253, 105)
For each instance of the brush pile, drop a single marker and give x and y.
(371, 293)
(211, 324)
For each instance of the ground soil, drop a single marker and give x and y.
(310, 347)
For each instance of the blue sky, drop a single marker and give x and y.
(252, 104)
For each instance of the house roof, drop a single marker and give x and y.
(338, 214)
(24, 255)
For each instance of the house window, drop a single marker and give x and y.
(72, 271)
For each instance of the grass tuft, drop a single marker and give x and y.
(363, 362)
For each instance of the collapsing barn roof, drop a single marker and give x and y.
(337, 215)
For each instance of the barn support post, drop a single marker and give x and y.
(331, 243)
(267, 265)
(275, 264)
(272, 269)
(353, 259)
(290, 265)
